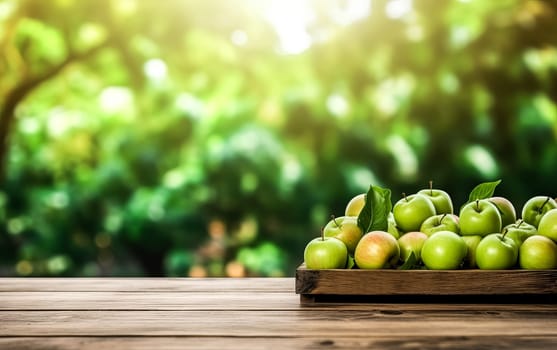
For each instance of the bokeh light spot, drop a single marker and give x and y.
(102, 240)
(239, 37)
(155, 69)
(235, 269)
(116, 99)
(57, 264)
(24, 268)
(16, 225)
(406, 160)
(197, 271)
(482, 161)
(337, 105)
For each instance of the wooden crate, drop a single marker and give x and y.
(338, 285)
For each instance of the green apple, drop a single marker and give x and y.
(444, 250)
(496, 252)
(506, 210)
(440, 199)
(441, 222)
(472, 244)
(548, 225)
(536, 207)
(519, 231)
(346, 229)
(411, 242)
(411, 211)
(538, 253)
(392, 229)
(377, 250)
(325, 253)
(480, 217)
(355, 205)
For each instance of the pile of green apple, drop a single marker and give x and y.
(422, 231)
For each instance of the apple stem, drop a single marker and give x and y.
(322, 233)
(543, 205)
(477, 204)
(431, 187)
(505, 231)
(404, 196)
(519, 223)
(442, 217)
(335, 220)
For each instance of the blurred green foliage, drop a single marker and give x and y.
(215, 138)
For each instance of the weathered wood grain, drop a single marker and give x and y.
(140, 285)
(426, 282)
(252, 314)
(332, 342)
(301, 323)
(197, 301)
(168, 301)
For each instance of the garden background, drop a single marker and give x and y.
(215, 138)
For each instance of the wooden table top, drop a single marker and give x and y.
(258, 313)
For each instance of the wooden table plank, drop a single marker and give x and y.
(140, 285)
(277, 323)
(170, 301)
(148, 301)
(198, 343)
(146, 313)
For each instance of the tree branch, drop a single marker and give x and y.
(19, 92)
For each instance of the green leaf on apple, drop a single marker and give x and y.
(350, 263)
(410, 263)
(375, 212)
(483, 191)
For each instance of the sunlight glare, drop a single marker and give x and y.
(348, 12)
(398, 8)
(290, 19)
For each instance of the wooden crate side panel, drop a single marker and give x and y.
(425, 282)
